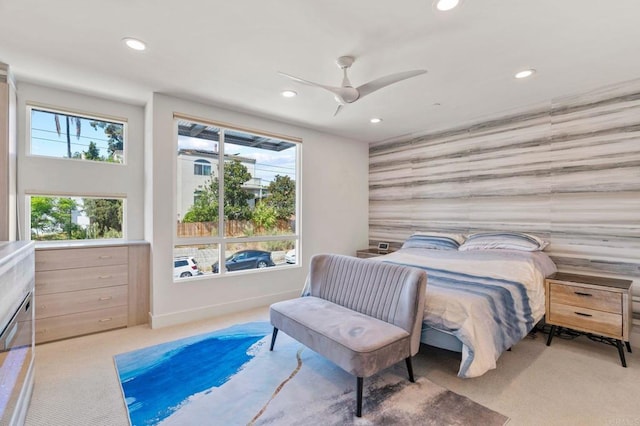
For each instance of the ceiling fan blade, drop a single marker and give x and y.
(381, 82)
(334, 90)
(337, 110)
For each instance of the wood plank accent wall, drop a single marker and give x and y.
(568, 171)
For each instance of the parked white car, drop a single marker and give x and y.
(290, 257)
(185, 267)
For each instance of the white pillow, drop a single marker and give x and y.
(503, 240)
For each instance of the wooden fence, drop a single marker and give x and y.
(232, 228)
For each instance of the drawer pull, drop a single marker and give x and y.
(44, 330)
(104, 277)
(583, 315)
(582, 294)
(104, 257)
(105, 320)
(106, 298)
(43, 306)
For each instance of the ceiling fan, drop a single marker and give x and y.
(346, 93)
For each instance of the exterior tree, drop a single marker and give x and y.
(63, 216)
(105, 216)
(236, 198)
(42, 216)
(93, 153)
(205, 207)
(282, 196)
(114, 135)
(264, 216)
(51, 216)
(69, 121)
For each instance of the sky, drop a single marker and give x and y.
(46, 141)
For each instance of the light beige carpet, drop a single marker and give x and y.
(572, 382)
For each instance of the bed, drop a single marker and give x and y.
(487, 299)
(486, 293)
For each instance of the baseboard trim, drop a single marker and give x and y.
(212, 311)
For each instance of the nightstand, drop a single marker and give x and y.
(592, 305)
(370, 252)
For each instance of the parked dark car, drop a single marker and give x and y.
(246, 259)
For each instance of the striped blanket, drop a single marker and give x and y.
(488, 299)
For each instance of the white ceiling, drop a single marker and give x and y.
(228, 53)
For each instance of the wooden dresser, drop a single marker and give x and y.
(590, 304)
(82, 289)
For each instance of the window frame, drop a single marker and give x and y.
(30, 106)
(27, 210)
(221, 240)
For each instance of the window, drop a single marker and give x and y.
(63, 135)
(75, 218)
(202, 168)
(242, 216)
(196, 196)
(92, 202)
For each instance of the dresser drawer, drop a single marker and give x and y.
(47, 260)
(80, 279)
(64, 326)
(50, 305)
(587, 320)
(600, 300)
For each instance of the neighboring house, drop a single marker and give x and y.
(196, 168)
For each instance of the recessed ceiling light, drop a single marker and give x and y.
(375, 120)
(134, 43)
(444, 5)
(525, 73)
(289, 94)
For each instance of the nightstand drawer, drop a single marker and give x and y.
(587, 320)
(600, 300)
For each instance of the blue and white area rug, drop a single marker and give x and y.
(229, 377)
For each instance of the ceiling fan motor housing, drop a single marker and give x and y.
(345, 61)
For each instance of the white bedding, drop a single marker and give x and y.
(488, 299)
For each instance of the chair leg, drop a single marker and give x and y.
(410, 369)
(273, 338)
(359, 397)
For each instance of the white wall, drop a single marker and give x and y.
(65, 176)
(8, 155)
(334, 215)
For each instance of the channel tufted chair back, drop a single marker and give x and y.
(371, 287)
